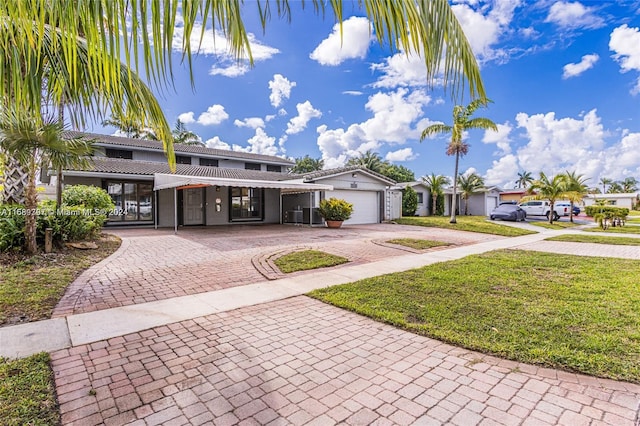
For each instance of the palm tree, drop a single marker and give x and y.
(615, 188)
(629, 184)
(371, 160)
(524, 179)
(36, 144)
(129, 126)
(462, 122)
(184, 136)
(307, 164)
(576, 188)
(436, 184)
(551, 189)
(469, 184)
(604, 182)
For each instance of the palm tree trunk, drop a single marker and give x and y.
(434, 197)
(31, 204)
(571, 212)
(455, 191)
(59, 171)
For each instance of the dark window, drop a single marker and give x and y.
(183, 159)
(246, 204)
(119, 153)
(252, 166)
(133, 200)
(420, 200)
(271, 168)
(208, 162)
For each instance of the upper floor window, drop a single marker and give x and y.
(119, 153)
(271, 168)
(183, 159)
(252, 166)
(209, 162)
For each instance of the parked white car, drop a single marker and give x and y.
(543, 208)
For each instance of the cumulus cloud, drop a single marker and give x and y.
(574, 70)
(215, 114)
(625, 43)
(404, 154)
(215, 44)
(352, 43)
(260, 143)
(306, 112)
(216, 143)
(187, 117)
(500, 138)
(352, 92)
(573, 15)
(251, 122)
(393, 121)
(280, 90)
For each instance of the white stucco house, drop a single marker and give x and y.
(628, 200)
(422, 191)
(479, 204)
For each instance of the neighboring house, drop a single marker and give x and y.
(219, 187)
(422, 191)
(628, 200)
(479, 203)
(512, 195)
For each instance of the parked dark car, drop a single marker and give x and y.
(508, 212)
(576, 210)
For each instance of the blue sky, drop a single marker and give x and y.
(564, 77)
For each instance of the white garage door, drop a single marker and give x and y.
(365, 205)
(492, 203)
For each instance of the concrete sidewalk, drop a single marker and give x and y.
(73, 330)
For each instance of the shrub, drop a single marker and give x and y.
(409, 201)
(91, 197)
(613, 212)
(335, 209)
(11, 227)
(69, 223)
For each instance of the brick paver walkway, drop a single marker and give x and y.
(156, 265)
(299, 361)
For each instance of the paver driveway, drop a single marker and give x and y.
(155, 264)
(299, 361)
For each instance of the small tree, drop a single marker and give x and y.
(398, 173)
(436, 184)
(469, 184)
(409, 201)
(307, 164)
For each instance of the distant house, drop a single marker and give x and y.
(422, 191)
(479, 203)
(628, 200)
(220, 187)
(512, 195)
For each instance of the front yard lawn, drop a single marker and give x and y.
(30, 287)
(27, 394)
(418, 244)
(598, 239)
(630, 229)
(571, 312)
(465, 223)
(307, 259)
(554, 225)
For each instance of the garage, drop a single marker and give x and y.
(366, 207)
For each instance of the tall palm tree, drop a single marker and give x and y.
(604, 181)
(549, 188)
(629, 184)
(469, 185)
(576, 188)
(371, 160)
(436, 184)
(615, 188)
(524, 179)
(462, 122)
(184, 136)
(36, 144)
(307, 164)
(130, 126)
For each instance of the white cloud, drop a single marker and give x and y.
(229, 69)
(280, 89)
(625, 42)
(500, 138)
(354, 43)
(252, 122)
(393, 121)
(573, 15)
(352, 92)
(282, 112)
(187, 117)
(269, 117)
(216, 143)
(306, 112)
(215, 114)
(404, 154)
(574, 70)
(260, 143)
(503, 172)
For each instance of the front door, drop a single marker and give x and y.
(193, 206)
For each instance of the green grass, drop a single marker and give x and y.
(616, 229)
(634, 220)
(418, 244)
(554, 225)
(30, 287)
(307, 259)
(598, 239)
(465, 223)
(27, 395)
(568, 312)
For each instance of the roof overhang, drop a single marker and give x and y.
(166, 181)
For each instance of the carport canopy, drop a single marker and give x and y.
(167, 181)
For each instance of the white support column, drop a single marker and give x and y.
(175, 210)
(155, 212)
